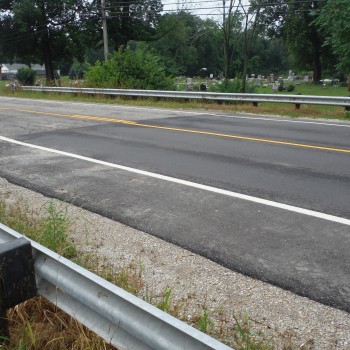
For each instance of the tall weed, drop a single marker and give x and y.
(55, 231)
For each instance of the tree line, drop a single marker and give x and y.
(255, 36)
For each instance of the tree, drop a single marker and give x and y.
(294, 21)
(272, 16)
(42, 31)
(272, 56)
(174, 42)
(127, 20)
(333, 20)
(251, 20)
(303, 39)
(231, 28)
(188, 43)
(208, 43)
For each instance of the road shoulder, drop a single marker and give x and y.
(280, 314)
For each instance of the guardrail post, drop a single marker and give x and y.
(297, 105)
(255, 104)
(17, 279)
(4, 332)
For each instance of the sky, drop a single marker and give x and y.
(203, 8)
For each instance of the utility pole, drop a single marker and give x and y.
(104, 26)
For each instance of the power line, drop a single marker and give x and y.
(8, 37)
(120, 13)
(186, 4)
(270, 4)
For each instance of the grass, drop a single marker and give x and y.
(310, 89)
(164, 304)
(204, 323)
(245, 338)
(306, 111)
(50, 231)
(38, 324)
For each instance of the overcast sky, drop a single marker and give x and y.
(205, 8)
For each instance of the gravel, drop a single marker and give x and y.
(291, 321)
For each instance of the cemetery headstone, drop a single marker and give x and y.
(258, 80)
(189, 84)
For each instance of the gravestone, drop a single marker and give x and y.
(258, 80)
(291, 76)
(189, 83)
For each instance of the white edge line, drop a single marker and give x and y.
(270, 119)
(188, 183)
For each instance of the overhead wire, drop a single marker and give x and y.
(8, 37)
(184, 4)
(189, 2)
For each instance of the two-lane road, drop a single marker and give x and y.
(269, 197)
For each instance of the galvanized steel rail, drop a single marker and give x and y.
(120, 318)
(297, 100)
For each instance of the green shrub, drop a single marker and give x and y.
(77, 70)
(234, 86)
(251, 88)
(72, 74)
(130, 69)
(26, 76)
(290, 88)
(229, 85)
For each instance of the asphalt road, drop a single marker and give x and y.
(187, 172)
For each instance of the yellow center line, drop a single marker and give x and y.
(200, 132)
(247, 138)
(36, 112)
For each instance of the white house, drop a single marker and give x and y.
(8, 71)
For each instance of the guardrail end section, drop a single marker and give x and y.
(17, 278)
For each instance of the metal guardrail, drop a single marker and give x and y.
(202, 95)
(120, 318)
